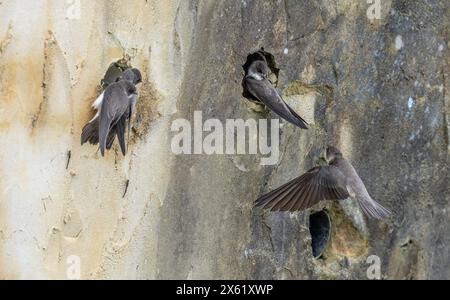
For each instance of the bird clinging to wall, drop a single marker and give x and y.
(115, 107)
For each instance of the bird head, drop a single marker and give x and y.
(133, 75)
(258, 67)
(129, 87)
(332, 153)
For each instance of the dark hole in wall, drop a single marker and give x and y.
(259, 55)
(320, 230)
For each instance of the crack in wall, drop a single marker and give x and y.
(49, 44)
(6, 40)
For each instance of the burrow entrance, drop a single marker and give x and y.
(269, 59)
(320, 230)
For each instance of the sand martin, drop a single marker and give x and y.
(261, 89)
(336, 181)
(115, 107)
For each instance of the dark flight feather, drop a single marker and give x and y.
(263, 91)
(114, 105)
(120, 131)
(319, 183)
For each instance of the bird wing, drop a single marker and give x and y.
(114, 105)
(120, 131)
(246, 93)
(131, 109)
(319, 183)
(111, 137)
(266, 93)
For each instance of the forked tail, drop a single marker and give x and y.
(373, 208)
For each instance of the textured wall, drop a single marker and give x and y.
(376, 88)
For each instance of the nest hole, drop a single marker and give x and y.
(264, 56)
(320, 230)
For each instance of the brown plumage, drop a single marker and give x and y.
(337, 181)
(257, 87)
(114, 107)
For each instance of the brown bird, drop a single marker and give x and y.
(256, 83)
(115, 107)
(336, 181)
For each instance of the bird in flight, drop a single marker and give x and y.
(336, 181)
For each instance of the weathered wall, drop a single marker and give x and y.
(377, 89)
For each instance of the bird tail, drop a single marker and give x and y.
(90, 132)
(373, 209)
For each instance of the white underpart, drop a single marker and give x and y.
(255, 76)
(97, 104)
